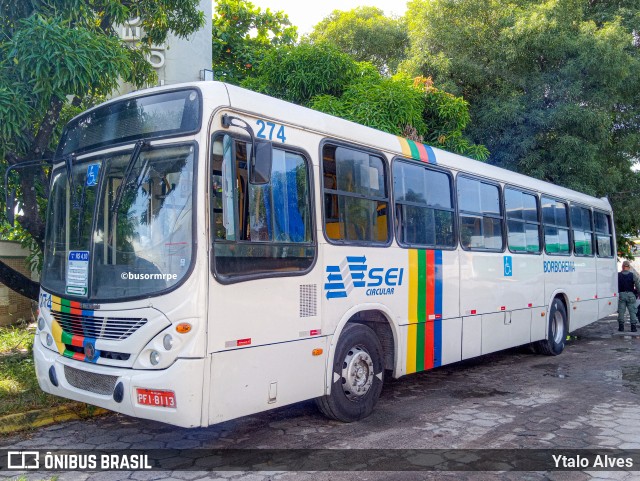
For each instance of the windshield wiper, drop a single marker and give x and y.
(127, 176)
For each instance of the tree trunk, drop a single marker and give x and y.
(18, 282)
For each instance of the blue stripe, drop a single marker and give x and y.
(334, 285)
(333, 268)
(437, 325)
(334, 277)
(437, 343)
(359, 284)
(431, 154)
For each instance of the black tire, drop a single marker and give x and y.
(358, 354)
(556, 330)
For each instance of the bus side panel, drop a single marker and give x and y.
(582, 292)
(251, 380)
(607, 286)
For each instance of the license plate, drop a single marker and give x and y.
(152, 397)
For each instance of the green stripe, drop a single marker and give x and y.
(65, 309)
(65, 338)
(68, 353)
(65, 302)
(420, 347)
(415, 153)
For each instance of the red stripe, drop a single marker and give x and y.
(77, 341)
(428, 345)
(77, 312)
(424, 156)
(78, 357)
(75, 304)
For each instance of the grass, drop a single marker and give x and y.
(19, 390)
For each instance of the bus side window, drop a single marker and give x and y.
(424, 206)
(356, 202)
(480, 215)
(272, 222)
(523, 221)
(604, 236)
(556, 227)
(582, 229)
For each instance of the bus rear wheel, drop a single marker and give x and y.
(357, 376)
(554, 344)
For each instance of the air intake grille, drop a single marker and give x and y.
(308, 300)
(90, 381)
(110, 328)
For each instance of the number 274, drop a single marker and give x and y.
(270, 127)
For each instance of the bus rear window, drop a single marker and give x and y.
(151, 116)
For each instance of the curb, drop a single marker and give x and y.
(43, 417)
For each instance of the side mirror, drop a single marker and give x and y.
(11, 207)
(260, 170)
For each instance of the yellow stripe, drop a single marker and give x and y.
(412, 328)
(406, 150)
(56, 331)
(412, 342)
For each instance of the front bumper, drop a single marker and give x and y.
(184, 377)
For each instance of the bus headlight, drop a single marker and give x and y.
(167, 342)
(41, 323)
(154, 358)
(49, 339)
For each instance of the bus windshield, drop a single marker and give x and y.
(100, 249)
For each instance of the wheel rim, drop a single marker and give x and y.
(357, 373)
(557, 327)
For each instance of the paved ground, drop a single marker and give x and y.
(588, 397)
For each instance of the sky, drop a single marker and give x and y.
(305, 14)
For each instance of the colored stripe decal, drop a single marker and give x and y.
(417, 151)
(62, 338)
(424, 332)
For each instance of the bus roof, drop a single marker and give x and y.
(281, 111)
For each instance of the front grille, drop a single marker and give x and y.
(110, 328)
(90, 381)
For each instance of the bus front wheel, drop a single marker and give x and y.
(357, 375)
(554, 344)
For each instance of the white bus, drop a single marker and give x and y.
(212, 252)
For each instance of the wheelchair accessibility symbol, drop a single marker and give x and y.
(508, 266)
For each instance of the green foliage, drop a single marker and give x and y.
(367, 35)
(322, 77)
(296, 74)
(552, 86)
(242, 34)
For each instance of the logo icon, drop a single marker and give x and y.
(90, 351)
(23, 460)
(508, 266)
(92, 174)
(343, 278)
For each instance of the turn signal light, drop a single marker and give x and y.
(316, 352)
(183, 328)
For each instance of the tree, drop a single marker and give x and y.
(60, 49)
(367, 35)
(552, 86)
(242, 34)
(321, 77)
